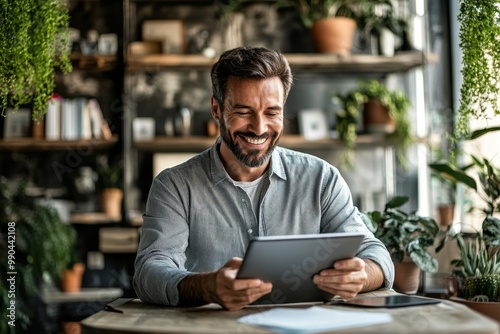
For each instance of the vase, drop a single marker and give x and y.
(406, 277)
(386, 43)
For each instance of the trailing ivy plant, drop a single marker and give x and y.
(479, 31)
(33, 43)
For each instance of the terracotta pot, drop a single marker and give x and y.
(72, 327)
(489, 309)
(407, 277)
(334, 35)
(376, 118)
(446, 213)
(111, 202)
(72, 278)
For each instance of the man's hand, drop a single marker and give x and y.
(349, 277)
(223, 288)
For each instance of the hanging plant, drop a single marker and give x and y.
(479, 31)
(33, 42)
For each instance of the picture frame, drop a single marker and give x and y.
(169, 32)
(143, 128)
(313, 124)
(17, 123)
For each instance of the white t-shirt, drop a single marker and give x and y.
(254, 190)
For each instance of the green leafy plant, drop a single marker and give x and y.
(397, 104)
(110, 173)
(43, 246)
(479, 31)
(404, 234)
(477, 271)
(33, 42)
(450, 173)
(447, 185)
(364, 12)
(487, 175)
(225, 8)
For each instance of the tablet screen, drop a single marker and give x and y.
(290, 262)
(388, 301)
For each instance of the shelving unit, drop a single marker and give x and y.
(294, 142)
(34, 144)
(94, 63)
(306, 65)
(358, 63)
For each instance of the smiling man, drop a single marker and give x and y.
(201, 214)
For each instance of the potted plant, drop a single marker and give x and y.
(110, 180)
(40, 253)
(34, 41)
(475, 280)
(445, 186)
(408, 237)
(384, 111)
(333, 23)
(71, 279)
(487, 175)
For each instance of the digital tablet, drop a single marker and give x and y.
(290, 262)
(388, 301)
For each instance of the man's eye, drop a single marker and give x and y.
(243, 113)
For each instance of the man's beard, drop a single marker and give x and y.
(251, 159)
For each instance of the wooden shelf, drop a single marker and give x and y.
(295, 142)
(34, 144)
(98, 63)
(93, 218)
(51, 295)
(356, 63)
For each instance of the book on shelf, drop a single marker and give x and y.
(75, 119)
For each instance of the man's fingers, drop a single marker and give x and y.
(354, 264)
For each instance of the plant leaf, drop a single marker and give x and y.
(396, 201)
(478, 133)
(491, 231)
(454, 174)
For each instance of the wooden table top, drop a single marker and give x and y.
(137, 317)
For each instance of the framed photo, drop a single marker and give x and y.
(143, 128)
(313, 124)
(17, 124)
(169, 32)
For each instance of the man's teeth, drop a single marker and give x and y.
(255, 141)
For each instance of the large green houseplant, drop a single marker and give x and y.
(40, 247)
(480, 45)
(476, 277)
(375, 98)
(408, 238)
(33, 43)
(479, 176)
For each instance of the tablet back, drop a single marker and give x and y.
(290, 262)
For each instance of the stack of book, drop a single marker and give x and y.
(75, 119)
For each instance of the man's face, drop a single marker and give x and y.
(251, 121)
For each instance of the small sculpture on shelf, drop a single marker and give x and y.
(84, 185)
